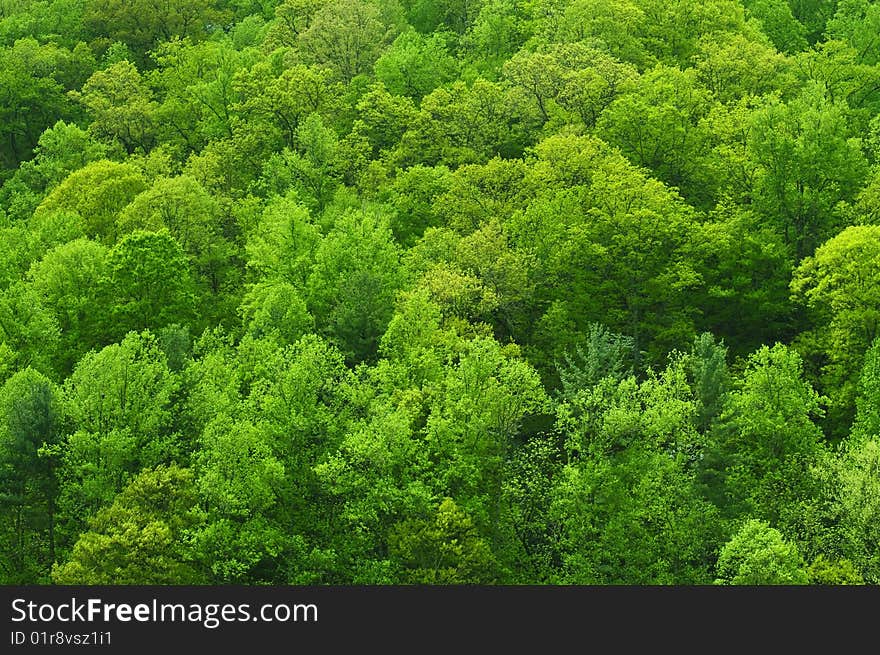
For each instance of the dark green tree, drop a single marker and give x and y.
(30, 435)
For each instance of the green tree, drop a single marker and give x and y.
(619, 25)
(637, 519)
(746, 271)
(759, 555)
(59, 21)
(615, 247)
(672, 30)
(283, 242)
(353, 282)
(839, 285)
(474, 424)
(463, 124)
(451, 15)
(148, 284)
(738, 66)
(198, 90)
(383, 118)
(711, 378)
(541, 76)
(122, 107)
(413, 194)
(276, 310)
(195, 220)
(530, 552)
(857, 22)
(142, 24)
(315, 167)
(830, 572)
(16, 252)
(29, 333)
(658, 125)
(374, 479)
(499, 30)
(60, 150)
(808, 163)
(768, 436)
(867, 421)
(592, 81)
(415, 65)
(273, 100)
(125, 386)
(34, 79)
(446, 550)
(30, 431)
(67, 280)
(480, 278)
(97, 193)
(142, 538)
(238, 479)
(835, 67)
(859, 506)
(292, 18)
(779, 24)
(346, 35)
(814, 15)
(118, 405)
(627, 508)
(602, 354)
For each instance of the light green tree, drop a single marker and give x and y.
(867, 421)
(758, 555)
(838, 284)
(122, 107)
(346, 35)
(769, 437)
(97, 193)
(67, 280)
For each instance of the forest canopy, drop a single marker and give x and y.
(440, 292)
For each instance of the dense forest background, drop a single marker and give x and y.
(440, 291)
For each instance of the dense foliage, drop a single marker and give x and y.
(431, 291)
